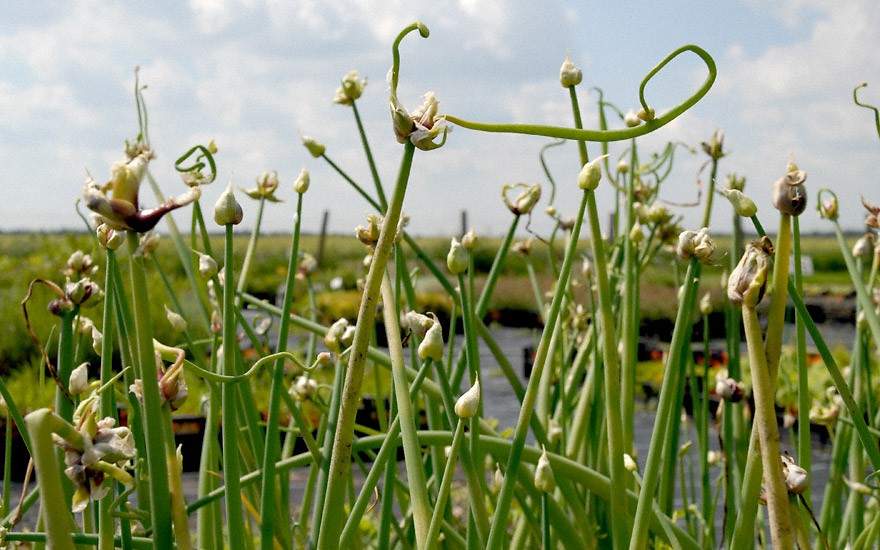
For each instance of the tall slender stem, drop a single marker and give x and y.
(421, 507)
(340, 463)
(229, 398)
(160, 502)
(272, 438)
(502, 507)
(765, 420)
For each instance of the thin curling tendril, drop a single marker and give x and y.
(395, 50)
(204, 155)
(866, 106)
(610, 135)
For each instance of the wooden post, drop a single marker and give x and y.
(319, 255)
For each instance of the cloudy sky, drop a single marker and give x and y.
(256, 74)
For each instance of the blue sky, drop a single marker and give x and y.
(256, 74)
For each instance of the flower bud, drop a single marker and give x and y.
(630, 463)
(864, 246)
(647, 116)
(79, 380)
(498, 479)
(797, 480)
(544, 479)
(522, 247)
(369, 235)
(177, 322)
(469, 402)
(789, 194)
(658, 214)
(324, 358)
(351, 89)
(696, 244)
(748, 281)
(417, 323)
(227, 210)
(706, 304)
(97, 340)
(635, 234)
(457, 258)
(569, 75)
(301, 185)
(631, 119)
(315, 148)
(729, 389)
(715, 147)
(109, 238)
(207, 266)
(469, 240)
(713, 458)
(303, 388)
(525, 201)
(828, 209)
(333, 337)
(742, 205)
(622, 166)
(432, 345)
(591, 174)
(554, 431)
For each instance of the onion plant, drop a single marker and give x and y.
(567, 474)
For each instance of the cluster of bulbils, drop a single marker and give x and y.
(98, 452)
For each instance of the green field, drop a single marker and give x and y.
(29, 256)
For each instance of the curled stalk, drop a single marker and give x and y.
(611, 135)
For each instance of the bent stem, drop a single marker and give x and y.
(610, 135)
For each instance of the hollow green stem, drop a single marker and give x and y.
(108, 398)
(57, 518)
(154, 429)
(445, 485)
(665, 410)
(271, 453)
(229, 397)
(375, 173)
(251, 248)
(340, 464)
(765, 420)
(502, 509)
(421, 506)
(804, 453)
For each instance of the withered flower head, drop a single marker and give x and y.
(789, 194)
(120, 210)
(748, 281)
